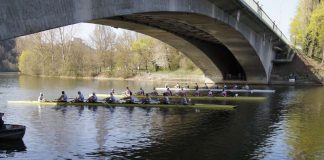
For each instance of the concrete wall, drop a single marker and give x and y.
(253, 53)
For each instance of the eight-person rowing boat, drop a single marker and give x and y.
(160, 105)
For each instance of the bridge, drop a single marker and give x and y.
(232, 38)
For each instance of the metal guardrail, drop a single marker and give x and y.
(257, 9)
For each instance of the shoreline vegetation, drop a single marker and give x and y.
(162, 76)
(124, 55)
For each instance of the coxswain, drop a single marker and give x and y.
(63, 97)
(93, 98)
(1, 121)
(80, 97)
(141, 92)
(210, 93)
(154, 92)
(166, 99)
(41, 97)
(197, 93)
(147, 99)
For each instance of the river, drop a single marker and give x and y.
(288, 125)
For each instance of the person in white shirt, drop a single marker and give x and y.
(41, 97)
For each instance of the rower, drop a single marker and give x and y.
(41, 97)
(196, 93)
(128, 92)
(111, 99)
(154, 92)
(206, 87)
(177, 85)
(246, 87)
(63, 97)
(182, 92)
(141, 92)
(168, 92)
(80, 97)
(224, 93)
(131, 98)
(1, 121)
(196, 86)
(235, 86)
(112, 91)
(225, 86)
(93, 98)
(187, 85)
(184, 100)
(166, 99)
(147, 99)
(210, 93)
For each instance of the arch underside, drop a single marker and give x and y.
(211, 38)
(212, 57)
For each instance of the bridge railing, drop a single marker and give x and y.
(257, 9)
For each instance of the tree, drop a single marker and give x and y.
(104, 40)
(143, 47)
(316, 29)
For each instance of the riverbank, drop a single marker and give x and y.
(162, 76)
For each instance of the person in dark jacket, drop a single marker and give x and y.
(1, 121)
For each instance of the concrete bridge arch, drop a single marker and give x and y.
(216, 41)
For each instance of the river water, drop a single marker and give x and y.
(288, 125)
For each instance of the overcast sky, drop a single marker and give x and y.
(281, 11)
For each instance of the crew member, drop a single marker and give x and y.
(154, 92)
(128, 92)
(141, 92)
(63, 97)
(177, 85)
(166, 99)
(210, 93)
(41, 97)
(1, 121)
(80, 97)
(196, 93)
(206, 86)
(93, 98)
(147, 99)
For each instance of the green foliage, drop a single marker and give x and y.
(113, 55)
(307, 28)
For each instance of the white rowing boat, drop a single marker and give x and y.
(220, 90)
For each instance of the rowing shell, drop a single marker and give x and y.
(220, 90)
(240, 98)
(200, 106)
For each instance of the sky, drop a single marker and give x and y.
(281, 11)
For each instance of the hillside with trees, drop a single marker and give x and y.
(307, 29)
(111, 54)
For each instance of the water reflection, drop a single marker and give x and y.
(289, 125)
(9, 148)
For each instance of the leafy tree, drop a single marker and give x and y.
(316, 29)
